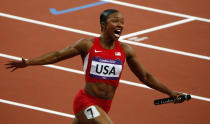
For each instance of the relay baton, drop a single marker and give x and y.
(181, 98)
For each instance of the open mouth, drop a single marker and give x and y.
(117, 33)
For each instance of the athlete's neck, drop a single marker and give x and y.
(107, 43)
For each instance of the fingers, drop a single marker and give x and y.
(178, 99)
(11, 62)
(9, 65)
(13, 65)
(13, 69)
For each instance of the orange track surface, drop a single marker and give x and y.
(55, 89)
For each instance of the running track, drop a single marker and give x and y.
(170, 38)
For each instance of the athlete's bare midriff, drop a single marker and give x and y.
(100, 90)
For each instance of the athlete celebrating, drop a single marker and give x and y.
(103, 59)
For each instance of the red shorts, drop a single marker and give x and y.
(84, 100)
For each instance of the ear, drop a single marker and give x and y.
(103, 25)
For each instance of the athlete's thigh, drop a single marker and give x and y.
(93, 115)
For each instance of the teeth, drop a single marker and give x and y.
(117, 35)
(117, 31)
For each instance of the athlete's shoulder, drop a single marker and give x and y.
(125, 47)
(84, 45)
(128, 50)
(84, 41)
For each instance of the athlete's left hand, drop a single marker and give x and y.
(176, 95)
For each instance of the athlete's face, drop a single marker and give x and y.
(114, 25)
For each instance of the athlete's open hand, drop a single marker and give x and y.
(13, 65)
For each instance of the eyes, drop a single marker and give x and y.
(117, 21)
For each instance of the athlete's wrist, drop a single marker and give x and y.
(27, 62)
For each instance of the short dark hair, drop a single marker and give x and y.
(105, 14)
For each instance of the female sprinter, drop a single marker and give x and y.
(103, 59)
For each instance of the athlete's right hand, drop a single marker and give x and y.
(13, 65)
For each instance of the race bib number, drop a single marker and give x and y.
(107, 69)
(91, 112)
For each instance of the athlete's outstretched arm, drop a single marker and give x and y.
(144, 76)
(48, 58)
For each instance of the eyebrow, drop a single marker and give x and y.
(117, 17)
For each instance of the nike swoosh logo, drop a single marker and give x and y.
(98, 51)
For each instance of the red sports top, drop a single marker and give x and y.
(104, 65)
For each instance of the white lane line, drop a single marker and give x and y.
(48, 24)
(96, 35)
(36, 108)
(200, 98)
(157, 28)
(157, 10)
(138, 39)
(134, 84)
(81, 72)
(167, 50)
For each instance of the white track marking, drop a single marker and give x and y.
(167, 50)
(157, 28)
(134, 84)
(81, 72)
(157, 10)
(36, 108)
(200, 98)
(137, 39)
(96, 35)
(48, 25)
